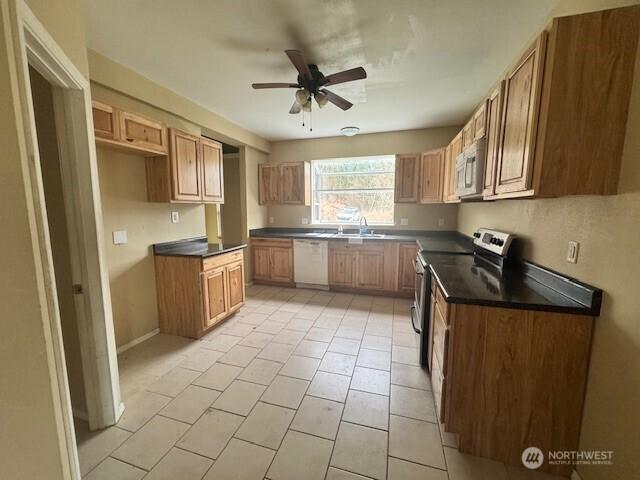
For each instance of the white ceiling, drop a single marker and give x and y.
(429, 62)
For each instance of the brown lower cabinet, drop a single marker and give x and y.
(272, 260)
(506, 379)
(194, 294)
(380, 267)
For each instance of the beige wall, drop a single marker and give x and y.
(125, 207)
(608, 229)
(408, 141)
(57, 223)
(31, 442)
(256, 214)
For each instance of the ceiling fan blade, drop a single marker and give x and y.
(337, 100)
(295, 108)
(298, 60)
(344, 76)
(258, 86)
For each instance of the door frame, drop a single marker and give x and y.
(33, 46)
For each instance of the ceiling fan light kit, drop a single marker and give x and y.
(311, 83)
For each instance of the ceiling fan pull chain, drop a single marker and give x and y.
(311, 117)
(303, 117)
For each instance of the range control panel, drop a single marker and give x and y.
(493, 240)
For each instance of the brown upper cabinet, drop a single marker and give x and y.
(191, 173)
(493, 118)
(565, 107)
(284, 183)
(407, 178)
(431, 176)
(119, 129)
(449, 182)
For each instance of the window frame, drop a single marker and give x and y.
(315, 221)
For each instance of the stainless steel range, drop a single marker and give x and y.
(487, 243)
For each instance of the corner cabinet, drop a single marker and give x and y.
(211, 289)
(287, 183)
(119, 129)
(272, 260)
(191, 173)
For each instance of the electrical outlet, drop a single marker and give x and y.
(175, 217)
(441, 222)
(305, 221)
(572, 252)
(120, 237)
(404, 222)
(271, 220)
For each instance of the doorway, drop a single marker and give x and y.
(57, 224)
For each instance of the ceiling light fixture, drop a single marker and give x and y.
(302, 96)
(349, 131)
(321, 99)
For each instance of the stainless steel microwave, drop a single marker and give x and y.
(470, 170)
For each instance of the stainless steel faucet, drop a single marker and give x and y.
(366, 226)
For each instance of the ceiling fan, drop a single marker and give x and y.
(311, 83)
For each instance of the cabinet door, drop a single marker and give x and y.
(214, 289)
(235, 277)
(494, 113)
(296, 183)
(468, 133)
(431, 176)
(480, 121)
(281, 264)
(212, 176)
(185, 167)
(142, 132)
(105, 122)
(269, 184)
(407, 171)
(406, 272)
(341, 268)
(370, 270)
(261, 261)
(519, 121)
(449, 188)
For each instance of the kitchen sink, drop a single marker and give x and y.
(359, 235)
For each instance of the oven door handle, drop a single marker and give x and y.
(413, 323)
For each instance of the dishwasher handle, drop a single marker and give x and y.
(413, 323)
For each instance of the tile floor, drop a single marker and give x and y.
(300, 384)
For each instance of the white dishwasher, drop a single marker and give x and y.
(311, 263)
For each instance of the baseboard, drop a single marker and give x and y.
(138, 340)
(313, 286)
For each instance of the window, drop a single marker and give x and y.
(345, 189)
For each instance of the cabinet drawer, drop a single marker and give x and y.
(272, 242)
(440, 340)
(438, 386)
(220, 260)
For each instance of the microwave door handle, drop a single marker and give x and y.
(468, 172)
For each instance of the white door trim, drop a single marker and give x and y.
(32, 45)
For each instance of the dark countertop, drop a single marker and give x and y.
(194, 247)
(432, 241)
(466, 279)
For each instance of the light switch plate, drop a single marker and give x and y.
(572, 251)
(271, 220)
(441, 222)
(305, 221)
(404, 222)
(175, 217)
(120, 237)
